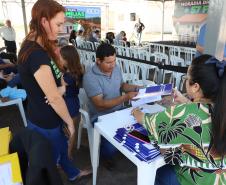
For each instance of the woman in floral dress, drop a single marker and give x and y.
(192, 134)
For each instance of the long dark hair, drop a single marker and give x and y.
(71, 56)
(47, 9)
(214, 88)
(72, 36)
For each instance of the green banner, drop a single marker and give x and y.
(190, 7)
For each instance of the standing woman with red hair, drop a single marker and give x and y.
(41, 77)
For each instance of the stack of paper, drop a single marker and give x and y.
(9, 163)
(5, 136)
(135, 139)
(151, 94)
(10, 170)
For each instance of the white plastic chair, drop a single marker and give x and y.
(85, 121)
(133, 52)
(89, 45)
(96, 44)
(154, 47)
(189, 54)
(135, 68)
(177, 61)
(177, 79)
(17, 102)
(182, 84)
(122, 43)
(146, 69)
(125, 69)
(174, 51)
(162, 58)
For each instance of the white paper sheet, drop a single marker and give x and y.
(6, 175)
(142, 101)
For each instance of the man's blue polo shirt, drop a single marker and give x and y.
(95, 83)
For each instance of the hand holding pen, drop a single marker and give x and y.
(178, 97)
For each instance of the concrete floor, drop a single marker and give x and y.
(123, 174)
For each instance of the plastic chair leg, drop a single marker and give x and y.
(20, 105)
(79, 134)
(90, 138)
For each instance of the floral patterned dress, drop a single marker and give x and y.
(185, 132)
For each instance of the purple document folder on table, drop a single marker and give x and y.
(135, 139)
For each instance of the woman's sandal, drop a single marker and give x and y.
(83, 174)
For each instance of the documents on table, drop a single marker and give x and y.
(151, 94)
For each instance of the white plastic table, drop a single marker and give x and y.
(107, 126)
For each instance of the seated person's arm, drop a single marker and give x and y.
(102, 104)
(2, 66)
(199, 48)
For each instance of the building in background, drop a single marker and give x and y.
(189, 15)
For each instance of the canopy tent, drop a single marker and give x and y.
(25, 19)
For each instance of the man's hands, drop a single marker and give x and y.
(130, 95)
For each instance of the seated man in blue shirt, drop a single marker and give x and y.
(103, 84)
(201, 42)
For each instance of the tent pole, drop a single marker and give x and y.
(163, 15)
(24, 16)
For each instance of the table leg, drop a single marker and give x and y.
(146, 172)
(96, 146)
(146, 175)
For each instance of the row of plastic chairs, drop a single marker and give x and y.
(136, 73)
(133, 71)
(175, 57)
(178, 56)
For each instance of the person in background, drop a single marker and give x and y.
(78, 25)
(139, 27)
(8, 34)
(7, 67)
(193, 133)
(201, 42)
(40, 76)
(121, 37)
(94, 36)
(110, 36)
(103, 84)
(73, 72)
(80, 38)
(10, 56)
(72, 38)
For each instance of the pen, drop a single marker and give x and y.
(173, 100)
